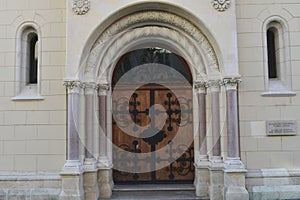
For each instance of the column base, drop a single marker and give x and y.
(234, 180)
(216, 188)
(103, 163)
(72, 186)
(104, 183)
(89, 165)
(202, 178)
(90, 185)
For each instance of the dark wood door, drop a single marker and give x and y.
(158, 144)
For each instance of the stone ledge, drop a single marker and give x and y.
(41, 193)
(263, 173)
(275, 192)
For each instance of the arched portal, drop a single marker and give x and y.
(97, 80)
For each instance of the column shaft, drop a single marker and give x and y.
(202, 124)
(232, 124)
(73, 140)
(215, 107)
(89, 123)
(102, 123)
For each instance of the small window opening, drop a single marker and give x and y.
(272, 58)
(33, 58)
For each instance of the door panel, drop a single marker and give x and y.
(171, 155)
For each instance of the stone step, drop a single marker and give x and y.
(155, 191)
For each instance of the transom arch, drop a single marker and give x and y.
(168, 31)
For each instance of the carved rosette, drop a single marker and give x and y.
(221, 5)
(80, 7)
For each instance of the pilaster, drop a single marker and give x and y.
(202, 176)
(216, 187)
(104, 166)
(234, 171)
(72, 187)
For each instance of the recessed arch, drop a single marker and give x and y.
(147, 29)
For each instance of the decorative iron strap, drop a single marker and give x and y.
(135, 111)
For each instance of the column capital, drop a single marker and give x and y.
(90, 87)
(231, 83)
(73, 86)
(214, 85)
(201, 87)
(103, 89)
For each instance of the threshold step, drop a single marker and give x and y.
(154, 187)
(155, 191)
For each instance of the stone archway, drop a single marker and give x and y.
(152, 28)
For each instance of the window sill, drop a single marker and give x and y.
(278, 93)
(27, 98)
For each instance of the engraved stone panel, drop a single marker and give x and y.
(281, 128)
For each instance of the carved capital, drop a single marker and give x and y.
(214, 85)
(80, 7)
(201, 87)
(221, 5)
(90, 88)
(103, 89)
(73, 86)
(231, 84)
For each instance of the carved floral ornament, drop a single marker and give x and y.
(231, 84)
(74, 86)
(80, 7)
(221, 5)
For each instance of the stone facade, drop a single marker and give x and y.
(45, 131)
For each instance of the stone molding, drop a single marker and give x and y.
(104, 163)
(214, 85)
(103, 89)
(73, 86)
(221, 5)
(90, 88)
(89, 165)
(201, 87)
(80, 7)
(231, 84)
(176, 25)
(234, 165)
(72, 167)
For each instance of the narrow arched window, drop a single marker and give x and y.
(32, 58)
(272, 48)
(277, 57)
(28, 59)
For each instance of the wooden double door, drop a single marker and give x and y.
(153, 135)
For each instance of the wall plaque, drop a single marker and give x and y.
(281, 128)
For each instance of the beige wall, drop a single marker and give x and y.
(258, 150)
(32, 133)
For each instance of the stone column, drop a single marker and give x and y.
(202, 164)
(216, 163)
(89, 161)
(90, 170)
(72, 170)
(104, 166)
(234, 172)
